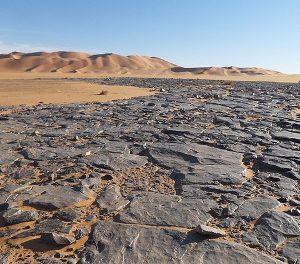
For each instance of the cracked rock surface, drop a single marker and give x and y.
(199, 172)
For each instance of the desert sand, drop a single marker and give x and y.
(79, 62)
(60, 64)
(32, 92)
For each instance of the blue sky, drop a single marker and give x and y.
(263, 33)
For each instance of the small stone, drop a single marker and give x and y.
(111, 200)
(294, 202)
(88, 153)
(57, 239)
(209, 231)
(68, 215)
(295, 211)
(91, 217)
(81, 232)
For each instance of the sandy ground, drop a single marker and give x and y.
(259, 78)
(31, 92)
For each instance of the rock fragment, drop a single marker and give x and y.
(209, 231)
(15, 216)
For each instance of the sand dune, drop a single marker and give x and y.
(84, 63)
(225, 71)
(79, 62)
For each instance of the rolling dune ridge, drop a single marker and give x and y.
(84, 63)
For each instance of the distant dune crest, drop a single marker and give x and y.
(80, 62)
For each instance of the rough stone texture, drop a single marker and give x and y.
(292, 251)
(68, 215)
(57, 239)
(273, 228)
(196, 152)
(163, 210)
(56, 198)
(46, 226)
(111, 200)
(119, 243)
(114, 161)
(253, 208)
(209, 231)
(16, 216)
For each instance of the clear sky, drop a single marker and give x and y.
(262, 33)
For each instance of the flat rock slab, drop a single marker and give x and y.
(116, 161)
(292, 251)
(273, 228)
(166, 210)
(56, 197)
(119, 243)
(176, 155)
(16, 216)
(253, 208)
(57, 239)
(111, 199)
(224, 174)
(47, 226)
(286, 135)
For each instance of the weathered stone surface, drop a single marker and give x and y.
(118, 243)
(56, 198)
(174, 155)
(292, 251)
(57, 239)
(253, 208)
(162, 210)
(224, 174)
(46, 226)
(286, 135)
(54, 156)
(209, 231)
(16, 216)
(116, 161)
(111, 199)
(50, 261)
(4, 258)
(68, 215)
(273, 228)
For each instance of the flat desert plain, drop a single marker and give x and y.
(51, 91)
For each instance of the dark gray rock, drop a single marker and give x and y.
(16, 216)
(174, 155)
(209, 231)
(273, 228)
(81, 232)
(286, 135)
(57, 239)
(160, 209)
(292, 251)
(253, 208)
(57, 197)
(224, 174)
(68, 215)
(46, 226)
(130, 244)
(50, 261)
(116, 161)
(111, 200)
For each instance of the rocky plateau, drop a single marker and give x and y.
(200, 172)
